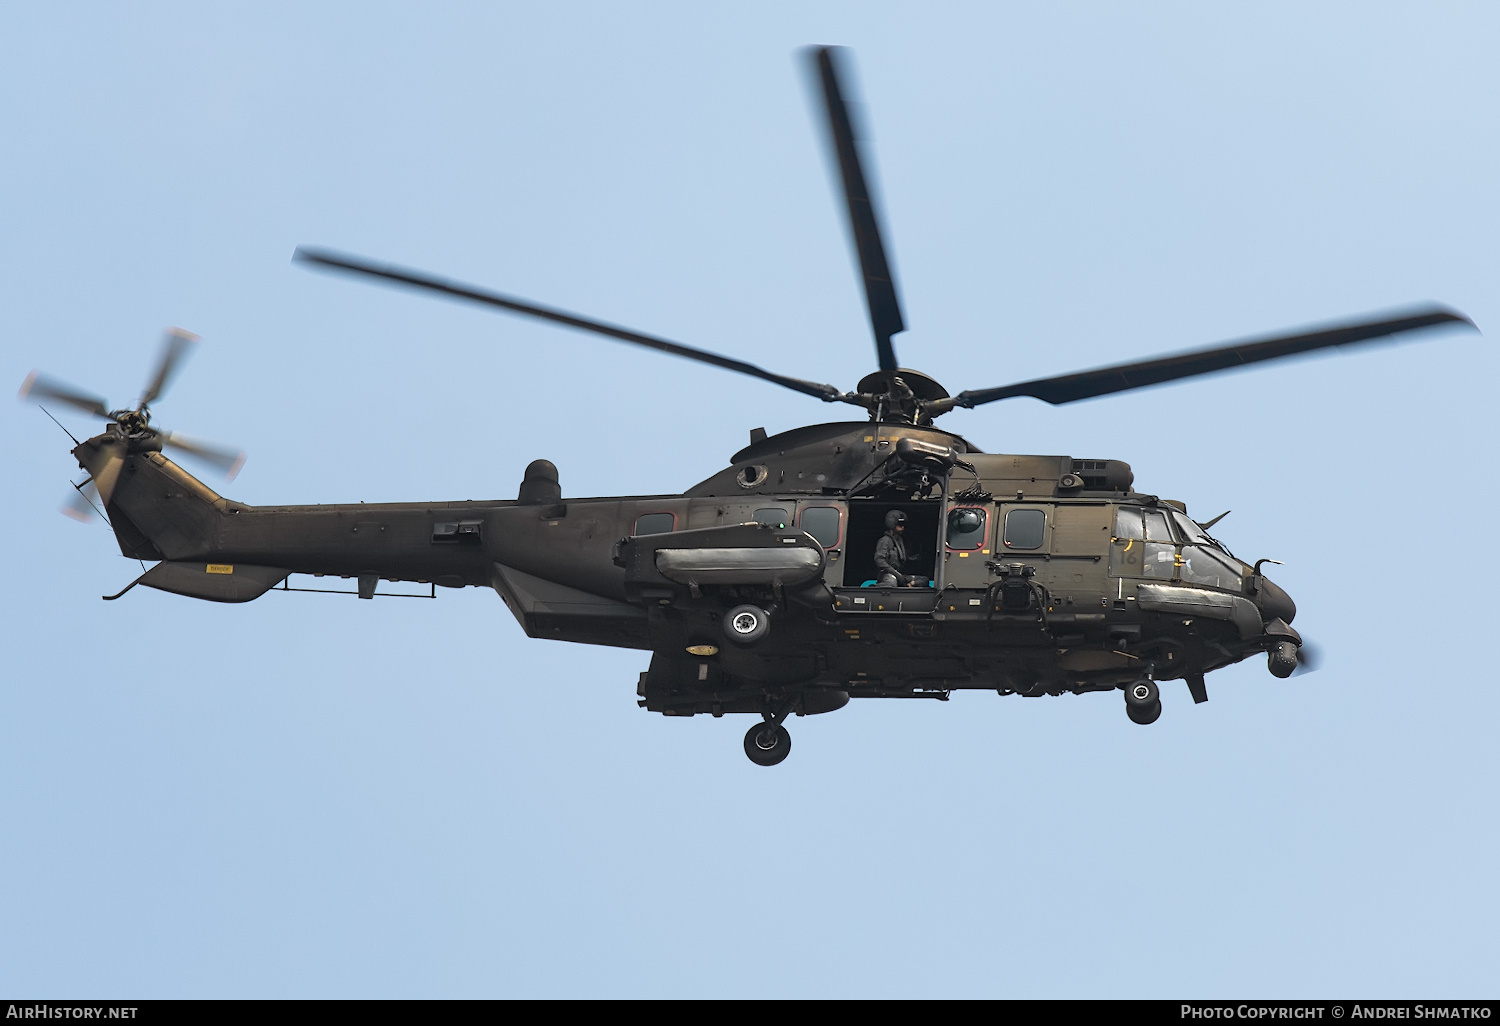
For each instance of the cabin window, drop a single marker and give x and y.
(967, 524)
(822, 522)
(773, 516)
(655, 523)
(1202, 565)
(1025, 528)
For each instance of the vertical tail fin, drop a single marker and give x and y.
(157, 509)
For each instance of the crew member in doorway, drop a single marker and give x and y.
(890, 553)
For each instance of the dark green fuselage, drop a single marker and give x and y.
(1037, 576)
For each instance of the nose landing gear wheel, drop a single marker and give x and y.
(767, 744)
(1143, 702)
(745, 625)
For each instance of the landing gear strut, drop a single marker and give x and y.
(1143, 701)
(769, 743)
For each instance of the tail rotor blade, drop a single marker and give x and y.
(82, 505)
(229, 461)
(77, 508)
(37, 387)
(108, 476)
(864, 220)
(176, 345)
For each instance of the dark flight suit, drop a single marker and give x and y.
(890, 557)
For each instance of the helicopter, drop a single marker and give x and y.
(884, 557)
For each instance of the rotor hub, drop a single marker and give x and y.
(133, 422)
(890, 383)
(900, 395)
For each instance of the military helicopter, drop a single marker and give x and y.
(883, 558)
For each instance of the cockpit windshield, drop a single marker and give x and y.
(1190, 531)
(1175, 548)
(1204, 565)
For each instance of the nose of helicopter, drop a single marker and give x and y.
(1274, 602)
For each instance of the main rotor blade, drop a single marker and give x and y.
(864, 222)
(228, 460)
(176, 344)
(1067, 388)
(457, 290)
(36, 388)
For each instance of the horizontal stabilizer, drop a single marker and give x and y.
(216, 582)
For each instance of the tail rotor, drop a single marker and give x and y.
(131, 425)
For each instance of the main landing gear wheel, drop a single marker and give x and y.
(1143, 702)
(745, 625)
(767, 743)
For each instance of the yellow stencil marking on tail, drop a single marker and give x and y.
(220, 568)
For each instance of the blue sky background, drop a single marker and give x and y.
(315, 796)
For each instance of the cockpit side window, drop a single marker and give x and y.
(773, 516)
(1159, 559)
(1131, 555)
(1145, 535)
(1156, 526)
(1128, 524)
